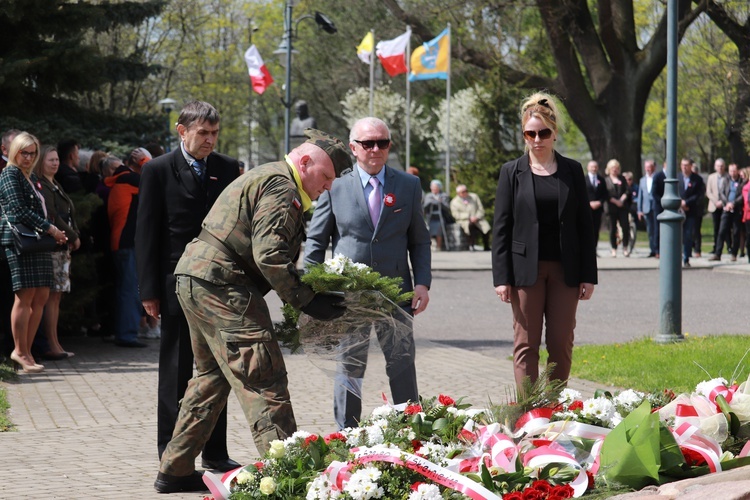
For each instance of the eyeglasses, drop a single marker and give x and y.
(545, 133)
(28, 154)
(368, 145)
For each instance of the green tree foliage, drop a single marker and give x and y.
(49, 59)
(603, 63)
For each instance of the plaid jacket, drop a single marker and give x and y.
(19, 203)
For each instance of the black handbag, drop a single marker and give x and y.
(28, 240)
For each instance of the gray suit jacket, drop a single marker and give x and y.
(645, 199)
(343, 218)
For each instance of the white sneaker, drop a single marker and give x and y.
(153, 333)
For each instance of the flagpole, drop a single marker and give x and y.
(372, 75)
(250, 103)
(448, 121)
(408, 101)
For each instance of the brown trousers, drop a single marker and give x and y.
(548, 301)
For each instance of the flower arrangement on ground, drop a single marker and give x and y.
(557, 448)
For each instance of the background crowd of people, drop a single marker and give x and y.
(38, 185)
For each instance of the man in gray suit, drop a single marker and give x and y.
(373, 215)
(646, 206)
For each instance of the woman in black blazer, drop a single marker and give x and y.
(543, 255)
(618, 206)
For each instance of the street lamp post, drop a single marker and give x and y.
(167, 105)
(285, 49)
(670, 220)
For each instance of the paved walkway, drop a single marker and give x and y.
(86, 427)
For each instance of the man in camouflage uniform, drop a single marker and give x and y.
(248, 245)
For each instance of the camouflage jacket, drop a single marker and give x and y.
(259, 216)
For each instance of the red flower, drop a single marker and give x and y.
(576, 405)
(542, 485)
(412, 409)
(562, 491)
(533, 494)
(259, 465)
(335, 436)
(309, 440)
(591, 479)
(692, 457)
(513, 496)
(416, 444)
(446, 400)
(415, 486)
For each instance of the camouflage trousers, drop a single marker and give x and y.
(232, 338)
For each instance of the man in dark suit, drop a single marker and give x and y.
(692, 189)
(373, 215)
(597, 191)
(67, 173)
(176, 192)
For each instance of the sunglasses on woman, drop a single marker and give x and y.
(368, 145)
(545, 133)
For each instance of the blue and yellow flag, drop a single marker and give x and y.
(431, 59)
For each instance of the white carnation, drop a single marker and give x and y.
(629, 399)
(567, 396)
(426, 492)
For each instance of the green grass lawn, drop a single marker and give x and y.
(647, 366)
(6, 373)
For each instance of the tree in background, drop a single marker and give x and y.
(49, 60)
(734, 20)
(603, 64)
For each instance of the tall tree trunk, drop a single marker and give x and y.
(739, 32)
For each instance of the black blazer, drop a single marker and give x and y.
(598, 192)
(515, 242)
(693, 195)
(171, 208)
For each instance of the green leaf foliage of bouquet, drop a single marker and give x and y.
(363, 288)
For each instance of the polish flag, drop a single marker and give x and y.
(392, 54)
(259, 75)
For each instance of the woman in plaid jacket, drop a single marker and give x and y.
(31, 274)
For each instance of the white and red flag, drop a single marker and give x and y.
(259, 75)
(392, 54)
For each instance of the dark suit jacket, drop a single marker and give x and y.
(343, 217)
(657, 190)
(171, 208)
(693, 195)
(598, 192)
(68, 178)
(515, 242)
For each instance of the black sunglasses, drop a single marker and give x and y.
(545, 133)
(368, 145)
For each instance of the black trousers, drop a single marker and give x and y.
(596, 215)
(175, 370)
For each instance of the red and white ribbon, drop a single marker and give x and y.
(434, 472)
(689, 436)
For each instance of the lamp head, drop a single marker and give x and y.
(324, 23)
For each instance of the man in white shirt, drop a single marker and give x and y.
(646, 207)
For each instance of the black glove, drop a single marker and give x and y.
(325, 307)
